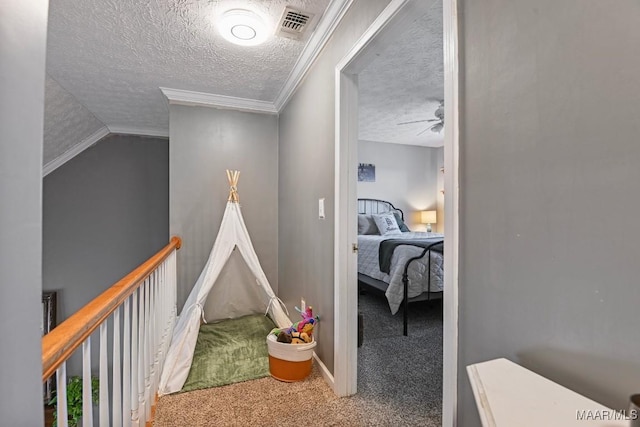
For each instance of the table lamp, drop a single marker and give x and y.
(428, 217)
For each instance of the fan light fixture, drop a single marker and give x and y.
(242, 27)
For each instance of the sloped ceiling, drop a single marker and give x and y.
(66, 121)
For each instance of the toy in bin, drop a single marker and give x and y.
(300, 332)
(291, 349)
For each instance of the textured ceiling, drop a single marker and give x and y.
(404, 84)
(113, 55)
(107, 59)
(66, 121)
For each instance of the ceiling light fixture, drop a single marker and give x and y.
(243, 27)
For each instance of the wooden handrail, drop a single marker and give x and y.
(63, 340)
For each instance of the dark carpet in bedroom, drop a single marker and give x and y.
(403, 374)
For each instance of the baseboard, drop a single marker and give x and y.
(328, 377)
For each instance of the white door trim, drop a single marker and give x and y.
(451, 212)
(345, 260)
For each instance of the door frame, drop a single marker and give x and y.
(345, 259)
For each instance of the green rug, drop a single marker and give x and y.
(230, 351)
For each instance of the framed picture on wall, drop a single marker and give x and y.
(367, 172)
(49, 300)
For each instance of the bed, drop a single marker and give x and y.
(414, 269)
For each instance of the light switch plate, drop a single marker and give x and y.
(321, 208)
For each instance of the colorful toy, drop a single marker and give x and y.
(307, 323)
(294, 337)
(300, 332)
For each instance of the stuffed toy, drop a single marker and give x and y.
(293, 338)
(307, 323)
(283, 337)
(300, 332)
(307, 329)
(300, 338)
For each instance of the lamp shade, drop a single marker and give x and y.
(428, 217)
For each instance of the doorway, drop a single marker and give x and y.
(389, 23)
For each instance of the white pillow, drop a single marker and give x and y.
(387, 224)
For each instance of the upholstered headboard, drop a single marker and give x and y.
(375, 206)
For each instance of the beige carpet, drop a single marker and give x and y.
(268, 402)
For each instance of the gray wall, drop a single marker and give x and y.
(406, 175)
(549, 193)
(23, 31)
(204, 143)
(105, 212)
(307, 165)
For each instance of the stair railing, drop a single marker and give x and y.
(145, 302)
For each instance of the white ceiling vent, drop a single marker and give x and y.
(294, 23)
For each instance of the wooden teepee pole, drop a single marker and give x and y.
(233, 177)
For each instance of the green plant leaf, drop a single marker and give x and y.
(74, 399)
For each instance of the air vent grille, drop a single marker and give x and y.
(294, 23)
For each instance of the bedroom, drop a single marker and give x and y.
(401, 161)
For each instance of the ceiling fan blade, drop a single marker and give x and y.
(436, 127)
(417, 121)
(421, 132)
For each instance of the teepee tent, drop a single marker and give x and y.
(252, 294)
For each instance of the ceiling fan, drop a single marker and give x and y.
(436, 125)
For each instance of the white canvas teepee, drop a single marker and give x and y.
(252, 295)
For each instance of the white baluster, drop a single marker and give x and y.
(167, 297)
(147, 348)
(115, 362)
(157, 328)
(104, 378)
(174, 288)
(61, 381)
(161, 331)
(141, 357)
(126, 367)
(152, 341)
(87, 401)
(165, 314)
(134, 360)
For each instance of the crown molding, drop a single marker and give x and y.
(187, 97)
(97, 136)
(142, 131)
(328, 23)
(325, 28)
(74, 151)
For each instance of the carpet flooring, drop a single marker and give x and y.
(403, 373)
(399, 383)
